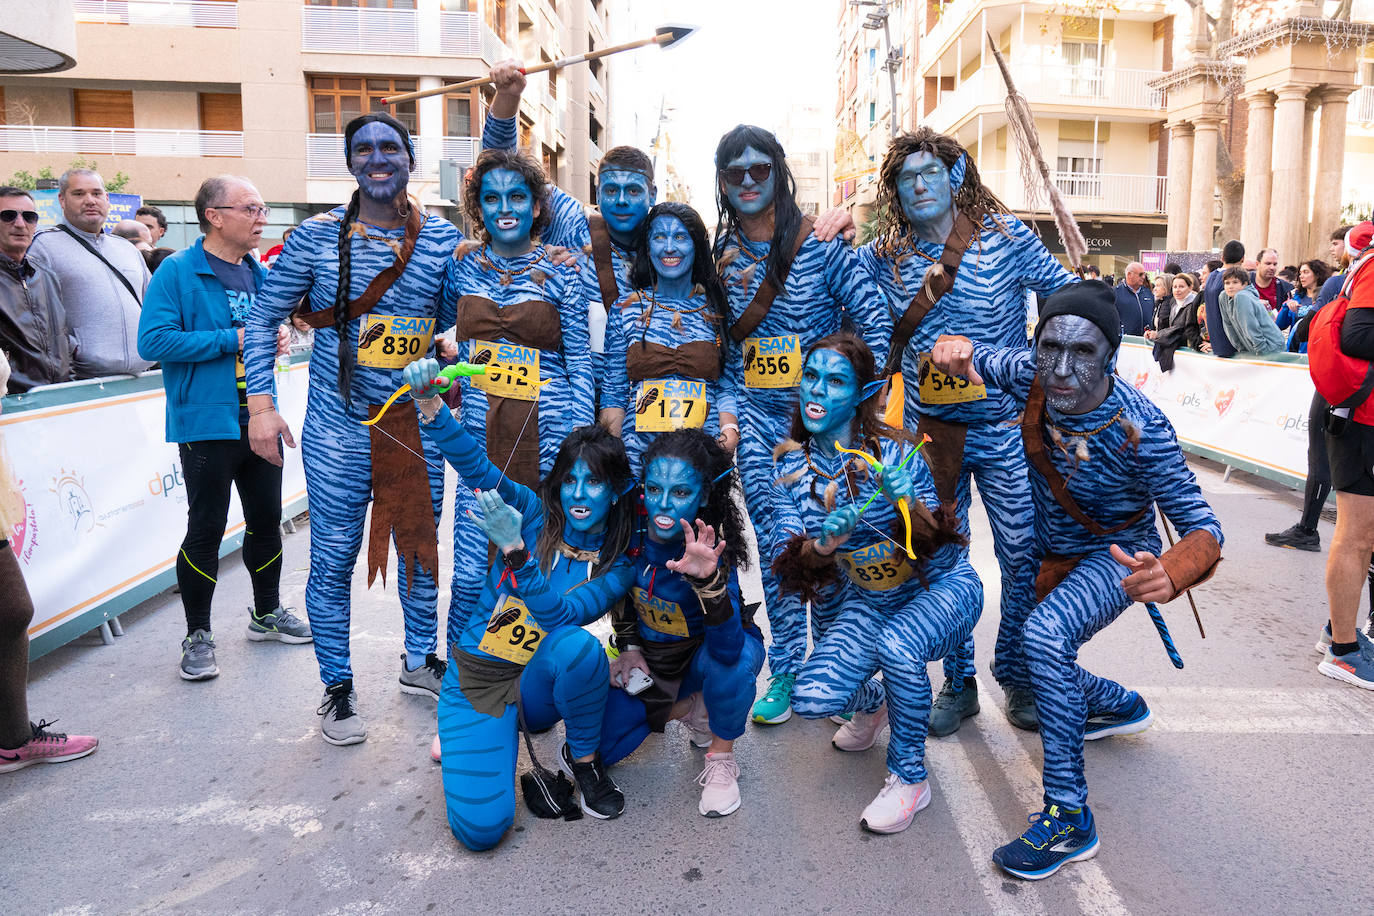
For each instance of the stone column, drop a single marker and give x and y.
(1259, 152)
(1180, 183)
(1201, 199)
(1289, 196)
(1326, 203)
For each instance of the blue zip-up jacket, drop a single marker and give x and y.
(186, 325)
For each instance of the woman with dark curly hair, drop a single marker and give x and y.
(520, 312)
(684, 626)
(875, 545)
(664, 342)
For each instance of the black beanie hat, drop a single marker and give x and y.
(1090, 299)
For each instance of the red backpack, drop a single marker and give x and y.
(1345, 381)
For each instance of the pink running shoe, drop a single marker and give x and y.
(46, 747)
(434, 750)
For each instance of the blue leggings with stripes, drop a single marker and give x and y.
(725, 674)
(1088, 599)
(336, 451)
(868, 637)
(566, 679)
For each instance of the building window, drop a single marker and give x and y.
(221, 111)
(497, 18)
(458, 116)
(526, 133)
(1078, 176)
(1083, 60)
(336, 100)
(103, 108)
(872, 61)
(872, 113)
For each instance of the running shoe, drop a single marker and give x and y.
(775, 706)
(1053, 841)
(719, 783)
(198, 657)
(1295, 537)
(698, 721)
(342, 724)
(841, 718)
(425, 680)
(435, 751)
(280, 625)
(952, 706)
(896, 805)
(601, 798)
(44, 746)
(860, 732)
(1324, 640)
(1354, 668)
(1021, 710)
(1125, 721)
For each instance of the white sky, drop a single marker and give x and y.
(749, 61)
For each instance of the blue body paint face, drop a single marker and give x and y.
(586, 499)
(377, 158)
(508, 211)
(1073, 364)
(673, 490)
(829, 396)
(752, 196)
(624, 198)
(923, 188)
(670, 248)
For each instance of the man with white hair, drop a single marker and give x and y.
(1134, 301)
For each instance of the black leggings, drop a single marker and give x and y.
(1318, 466)
(209, 468)
(16, 612)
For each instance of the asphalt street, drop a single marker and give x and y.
(1249, 795)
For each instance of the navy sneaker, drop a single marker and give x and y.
(1127, 721)
(1051, 843)
(1366, 645)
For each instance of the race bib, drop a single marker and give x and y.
(240, 373)
(877, 568)
(515, 370)
(936, 387)
(659, 615)
(668, 404)
(772, 362)
(511, 634)
(393, 341)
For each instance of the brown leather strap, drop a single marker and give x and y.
(601, 257)
(324, 318)
(936, 284)
(1192, 560)
(766, 293)
(1054, 569)
(1033, 439)
(944, 454)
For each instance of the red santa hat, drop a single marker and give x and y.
(1359, 238)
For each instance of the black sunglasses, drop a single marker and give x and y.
(9, 216)
(735, 174)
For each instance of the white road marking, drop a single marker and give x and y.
(202, 882)
(1262, 711)
(221, 810)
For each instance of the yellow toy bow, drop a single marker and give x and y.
(878, 468)
(444, 380)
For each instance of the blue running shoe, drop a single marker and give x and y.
(1134, 718)
(1355, 668)
(1049, 845)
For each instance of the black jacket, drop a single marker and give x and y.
(33, 326)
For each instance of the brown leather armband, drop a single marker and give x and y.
(624, 623)
(1191, 561)
(802, 570)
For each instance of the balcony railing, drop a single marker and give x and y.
(1052, 84)
(460, 34)
(120, 142)
(1088, 192)
(202, 14)
(363, 30)
(1361, 110)
(324, 156)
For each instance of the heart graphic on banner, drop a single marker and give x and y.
(1223, 401)
(1140, 379)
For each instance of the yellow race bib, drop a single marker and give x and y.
(659, 615)
(772, 362)
(938, 388)
(511, 634)
(240, 373)
(668, 404)
(515, 373)
(877, 568)
(393, 341)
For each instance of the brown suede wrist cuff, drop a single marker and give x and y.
(1191, 561)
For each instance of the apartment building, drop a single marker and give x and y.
(806, 136)
(170, 91)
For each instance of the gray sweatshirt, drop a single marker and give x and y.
(102, 315)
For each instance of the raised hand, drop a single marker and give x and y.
(953, 355)
(500, 522)
(836, 528)
(701, 552)
(420, 376)
(1148, 580)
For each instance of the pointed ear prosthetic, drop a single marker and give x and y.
(871, 389)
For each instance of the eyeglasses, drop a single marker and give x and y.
(252, 211)
(735, 174)
(29, 216)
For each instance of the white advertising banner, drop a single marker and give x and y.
(1250, 411)
(104, 497)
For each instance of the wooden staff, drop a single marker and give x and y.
(1170, 535)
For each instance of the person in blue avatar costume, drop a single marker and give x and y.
(787, 289)
(517, 310)
(1101, 457)
(839, 540)
(684, 625)
(369, 274)
(520, 647)
(940, 223)
(664, 342)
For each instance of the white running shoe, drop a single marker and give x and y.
(434, 750)
(719, 785)
(698, 722)
(859, 733)
(896, 805)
